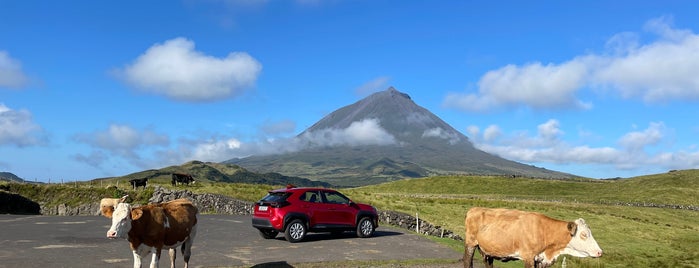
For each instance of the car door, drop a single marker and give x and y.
(311, 202)
(338, 211)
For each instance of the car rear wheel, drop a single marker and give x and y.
(295, 231)
(268, 234)
(365, 228)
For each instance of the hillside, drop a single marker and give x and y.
(408, 141)
(7, 176)
(218, 172)
(646, 221)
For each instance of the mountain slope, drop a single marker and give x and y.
(218, 172)
(383, 137)
(7, 176)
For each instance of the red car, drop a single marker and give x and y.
(297, 211)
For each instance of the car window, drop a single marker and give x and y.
(310, 196)
(275, 197)
(335, 198)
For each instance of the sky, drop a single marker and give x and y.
(92, 89)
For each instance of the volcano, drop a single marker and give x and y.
(383, 137)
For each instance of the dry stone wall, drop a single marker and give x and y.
(221, 204)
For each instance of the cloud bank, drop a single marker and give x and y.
(176, 70)
(634, 149)
(119, 140)
(660, 71)
(128, 143)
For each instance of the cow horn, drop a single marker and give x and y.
(123, 199)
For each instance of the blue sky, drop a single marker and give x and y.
(92, 89)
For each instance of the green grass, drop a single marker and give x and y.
(631, 236)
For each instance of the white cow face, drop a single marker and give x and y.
(121, 221)
(583, 244)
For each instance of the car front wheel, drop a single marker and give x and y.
(365, 228)
(268, 234)
(295, 231)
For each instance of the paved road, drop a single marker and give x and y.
(222, 240)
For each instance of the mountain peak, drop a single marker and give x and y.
(394, 92)
(382, 137)
(394, 111)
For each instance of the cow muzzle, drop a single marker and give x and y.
(112, 234)
(597, 254)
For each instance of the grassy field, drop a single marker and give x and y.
(623, 214)
(631, 236)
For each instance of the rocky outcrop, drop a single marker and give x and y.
(16, 204)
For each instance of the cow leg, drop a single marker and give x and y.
(139, 253)
(187, 246)
(136, 260)
(468, 256)
(173, 256)
(529, 263)
(156, 258)
(488, 261)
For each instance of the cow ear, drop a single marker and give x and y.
(572, 228)
(123, 199)
(136, 213)
(107, 212)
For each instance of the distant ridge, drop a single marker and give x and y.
(408, 141)
(7, 176)
(217, 172)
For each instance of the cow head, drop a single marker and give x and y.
(582, 244)
(107, 205)
(121, 220)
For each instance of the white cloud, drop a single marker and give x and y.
(535, 85)
(437, 132)
(550, 130)
(218, 148)
(176, 70)
(216, 151)
(637, 140)
(659, 71)
(365, 132)
(18, 128)
(123, 140)
(491, 133)
(11, 74)
(548, 146)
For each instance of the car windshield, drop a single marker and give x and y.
(275, 197)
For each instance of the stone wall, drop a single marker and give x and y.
(221, 204)
(65, 210)
(409, 222)
(206, 203)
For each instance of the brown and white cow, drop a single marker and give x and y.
(532, 237)
(107, 205)
(151, 228)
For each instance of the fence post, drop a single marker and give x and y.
(417, 223)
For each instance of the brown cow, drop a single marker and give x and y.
(532, 237)
(107, 205)
(151, 228)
